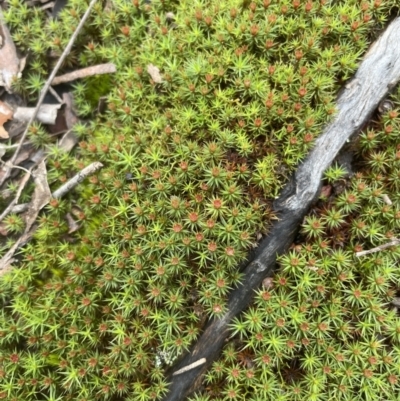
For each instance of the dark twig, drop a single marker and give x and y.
(379, 71)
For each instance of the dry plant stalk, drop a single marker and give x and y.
(21, 186)
(190, 367)
(379, 248)
(99, 69)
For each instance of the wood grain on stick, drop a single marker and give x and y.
(378, 73)
(99, 69)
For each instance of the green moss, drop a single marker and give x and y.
(191, 167)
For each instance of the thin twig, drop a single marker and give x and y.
(18, 194)
(65, 188)
(46, 87)
(393, 242)
(190, 367)
(99, 69)
(74, 181)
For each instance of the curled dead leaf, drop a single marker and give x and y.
(40, 197)
(10, 66)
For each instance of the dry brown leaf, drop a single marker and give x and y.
(3, 132)
(154, 73)
(69, 139)
(40, 197)
(10, 67)
(5, 114)
(37, 156)
(25, 154)
(326, 191)
(15, 128)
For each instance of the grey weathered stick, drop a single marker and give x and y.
(378, 73)
(46, 87)
(19, 208)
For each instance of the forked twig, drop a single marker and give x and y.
(46, 87)
(75, 180)
(65, 188)
(40, 198)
